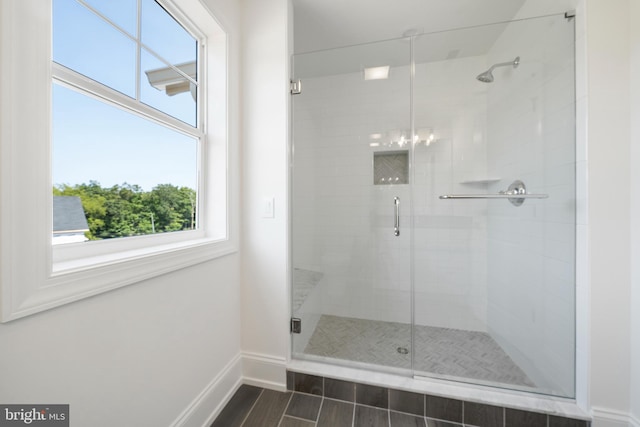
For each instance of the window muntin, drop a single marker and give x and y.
(89, 45)
(165, 53)
(108, 147)
(162, 34)
(123, 13)
(166, 89)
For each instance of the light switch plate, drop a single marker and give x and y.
(268, 208)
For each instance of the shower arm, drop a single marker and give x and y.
(503, 64)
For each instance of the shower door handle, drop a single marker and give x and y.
(396, 227)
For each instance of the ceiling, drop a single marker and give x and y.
(320, 25)
(325, 24)
(434, 47)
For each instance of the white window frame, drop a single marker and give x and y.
(35, 277)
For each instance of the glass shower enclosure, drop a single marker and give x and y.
(433, 205)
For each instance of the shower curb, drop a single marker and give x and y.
(462, 412)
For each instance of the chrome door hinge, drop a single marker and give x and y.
(296, 325)
(295, 87)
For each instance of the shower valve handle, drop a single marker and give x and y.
(396, 228)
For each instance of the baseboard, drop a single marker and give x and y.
(609, 418)
(264, 371)
(246, 368)
(208, 404)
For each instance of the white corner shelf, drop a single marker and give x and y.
(482, 181)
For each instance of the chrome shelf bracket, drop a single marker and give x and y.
(516, 194)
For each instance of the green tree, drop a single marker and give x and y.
(172, 207)
(127, 210)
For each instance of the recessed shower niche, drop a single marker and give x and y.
(390, 167)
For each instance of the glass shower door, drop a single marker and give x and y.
(350, 206)
(494, 111)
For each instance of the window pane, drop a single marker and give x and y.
(87, 44)
(133, 176)
(162, 34)
(164, 88)
(122, 12)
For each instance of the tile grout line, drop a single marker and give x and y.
(389, 404)
(353, 416)
(298, 418)
(319, 411)
(424, 411)
(440, 420)
(463, 405)
(308, 394)
(285, 409)
(374, 407)
(251, 410)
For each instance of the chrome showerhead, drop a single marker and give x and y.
(487, 76)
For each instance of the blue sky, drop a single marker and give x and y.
(96, 141)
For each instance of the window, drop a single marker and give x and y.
(120, 107)
(134, 168)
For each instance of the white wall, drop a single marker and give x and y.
(139, 355)
(634, 18)
(265, 297)
(450, 236)
(607, 33)
(161, 352)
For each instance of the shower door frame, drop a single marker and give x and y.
(578, 331)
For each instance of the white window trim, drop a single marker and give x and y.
(30, 280)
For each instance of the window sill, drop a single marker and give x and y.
(79, 279)
(174, 255)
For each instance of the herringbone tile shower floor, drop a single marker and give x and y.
(442, 351)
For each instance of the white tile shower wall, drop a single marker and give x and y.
(304, 208)
(531, 137)
(347, 232)
(343, 224)
(450, 236)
